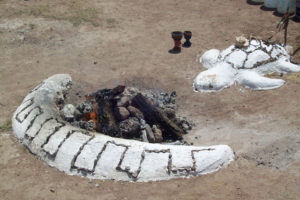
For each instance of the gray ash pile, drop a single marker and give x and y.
(129, 113)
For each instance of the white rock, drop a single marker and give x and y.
(210, 58)
(237, 58)
(241, 42)
(253, 80)
(68, 111)
(225, 52)
(216, 78)
(255, 57)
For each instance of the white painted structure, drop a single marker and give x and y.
(38, 125)
(245, 65)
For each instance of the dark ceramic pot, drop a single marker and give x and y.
(177, 36)
(187, 37)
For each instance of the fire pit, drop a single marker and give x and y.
(130, 113)
(39, 125)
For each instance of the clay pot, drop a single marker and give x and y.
(177, 36)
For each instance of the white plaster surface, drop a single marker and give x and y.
(53, 144)
(237, 58)
(38, 125)
(132, 160)
(155, 164)
(253, 80)
(181, 159)
(33, 130)
(109, 160)
(89, 154)
(246, 66)
(255, 57)
(69, 149)
(49, 128)
(221, 76)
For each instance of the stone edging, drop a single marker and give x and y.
(38, 125)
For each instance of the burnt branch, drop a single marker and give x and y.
(154, 115)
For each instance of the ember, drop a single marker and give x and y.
(129, 113)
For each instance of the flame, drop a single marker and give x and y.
(93, 114)
(93, 117)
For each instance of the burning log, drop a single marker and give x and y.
(107, 121)
(154, 115)
(107, 93)
(104, 114)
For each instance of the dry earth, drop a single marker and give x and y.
(103, 43)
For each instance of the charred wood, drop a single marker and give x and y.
(154, 115)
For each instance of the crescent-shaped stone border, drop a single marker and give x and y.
(38, 125)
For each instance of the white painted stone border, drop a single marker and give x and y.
(38, 125)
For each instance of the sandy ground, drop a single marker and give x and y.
(105, 43)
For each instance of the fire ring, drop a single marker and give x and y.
(39, 126)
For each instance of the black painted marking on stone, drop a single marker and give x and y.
(258, 47)
(49, 156)
(122, 145)
(100, 153)
(246, 59)
(264, 49)
(58, 147)
(67, 136)
(56, 129)
(193, 170)
(30, 111)
(86, 133)
(30, 104)
(230, 63)
(135, 176)
(33, 120)
(118, 168)
(78, 153)
(182, 171)
(85, 171)
(99, 156)
(42, 125)
(157, 151)
(170, 163)
(231, 51)
(80, 149)
(169, 158)
(122, 157)
(248, 52)
(26, 137)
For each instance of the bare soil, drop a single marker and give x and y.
(105, 43)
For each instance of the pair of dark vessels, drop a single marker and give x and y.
(177, 36)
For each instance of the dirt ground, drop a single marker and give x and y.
(103, 43)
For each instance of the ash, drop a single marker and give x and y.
(130, 113)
